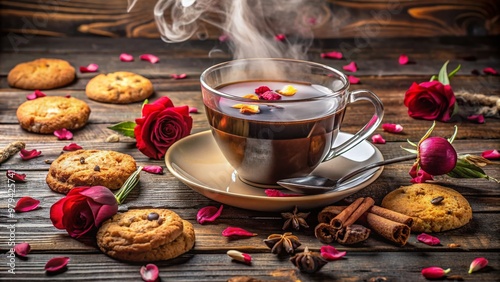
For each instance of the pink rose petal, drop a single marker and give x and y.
(124, 57)
(89, 68)
(150, 58)
(193, 110)
(280, 37)
(278, 193)
(330, 253)
(223, 38)
(392, 127)
(179, 76)
(476, 118)
(332, 55)
(270, 96)
(56, 264)
(428, 239)
(378, 139)
(491, 154)
(261, 90)
(22, 249)
(72, 147)
(477, 264)
(26, 204)
(353, 79)
(352, 67)
(63, 134)
(237, 232)
(490, 70)
(17, 177)
(154, 169)
(208, 214)
(421, 177)
(28, 155)
(149, 273)
(403, 59)
(36, 94)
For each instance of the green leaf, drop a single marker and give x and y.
(443, 74)
(128, 186)
(452, 138)
(411, 143)
(464, 169)
(434, 77)
(454, 71)
(125, 128)
(144, 104)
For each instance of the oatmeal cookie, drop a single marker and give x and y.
(119, 88)
(44, 73)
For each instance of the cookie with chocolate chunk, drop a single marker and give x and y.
(435, 208)
(90, 168)
(44, 73)
(119, 88)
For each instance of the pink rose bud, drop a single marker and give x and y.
(392, 128)
(428, 239)
(149, 273)
(72, 147)
(124, 57)
(63, 134)
(491, 154)
(278, 193)
(36, 94)
(89, 68)
(26, 204)
(239, 256)
(22, 249)
(330, 253)
(477, 264)
(332, 55)
(56, 264)
(237, 232)
(403, 59)
(17, 177)
(378, 139)
(352, 67)
(28, 155)
(208, 214)
(154, 169)
(434, 272)
(353, 79)
(150, 58)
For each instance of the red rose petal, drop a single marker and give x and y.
(56, 264)
(261, 90)
(332, 55)
(208, 214)
(421, 177)
(63, 134)
(193, 110)
(72, 147)
(476, 118)
(179, 76)
(28, 155)
(35, 94)
(270, 96)
(154, 169)
(89, 68)
(150, 58)
(237, 232)
(149, 273)
(17, 177)
(434, 272)
(353, 79)
(68, 96)
(490, 70)
(330, 253)
(477, 264)
(491, 154)
(403, 59)
(352, 67)
(26, 204)
(280, 37)
(124, 57)
(428, 239)
(22, 249)
(378, 139)
(392, 127)
(278, 193)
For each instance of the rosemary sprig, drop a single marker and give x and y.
(128, 186)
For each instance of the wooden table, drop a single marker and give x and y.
(378, 70)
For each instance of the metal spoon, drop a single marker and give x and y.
(313, 184)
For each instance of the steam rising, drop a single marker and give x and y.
(251, 25)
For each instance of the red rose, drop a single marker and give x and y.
(160, 126)
(83, 210)
(430, 100)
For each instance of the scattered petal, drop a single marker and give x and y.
(223, 38)
(67, 96)
(332, 55)
(56, 264)
(89, 68)
(124, 57)
(392, 127)
(330, 253)
(353, 79)
(237, 232)
(249, 109)
(149, 273)
(179, 76)
(239, 256)
(36, 94)
(428, 239)
(63, 134)
(403, 59)
(278, 193)
(287, 90)
(270, 96)
(251, 96)
(26, 204)
(28, 155)
(491, 154)
(208, 214)
(352, 67)
(17, 177)
(261, 90)
(280, 37)
(72, 147)
(378, 139)
(434, 272)
(150, 58)
(22, 249)
(489, 70)
(476, 118)
(193, 110)
(154, 169)
(477, 264)
(421, 177)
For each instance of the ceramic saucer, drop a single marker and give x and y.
(197, 162)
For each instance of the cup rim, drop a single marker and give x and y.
(342, 77)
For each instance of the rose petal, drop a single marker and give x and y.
(154, 169)
(490, 70)
(124, 57)
(434, 272)
(280, 37)
(26, 204)
(223, 38)
(353, 79)
(477, 264)
(491, 154)
(421, 177)
(332, 55)
(428, 239)
(237, 232)
(22, 249)
(17, 177)
(239, 256)
(89, 68)
(392, 127)
(72, 147)
(149, 273)
(36, 94)
(403, 59)
(352, 67)
(28, 155)
(56, 264)
(476, 118)
(208, 214)
(330, 253)
(193, 110)
(150, 58)
(278, 193)
(179, 76)
(261, 90)
(63, 134)
(378, 139)
(270, 96)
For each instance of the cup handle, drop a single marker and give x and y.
(368, 129)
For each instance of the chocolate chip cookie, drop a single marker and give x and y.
(119, 88)
(44, 73)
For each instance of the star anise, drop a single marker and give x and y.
(296, 219)
(308, 261)
(282, 244)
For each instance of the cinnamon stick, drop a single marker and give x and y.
(325, 233)
(362, 208)
(353, 234)
(338, 221)
(328, 213)
(392, 215)
(394, 231)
